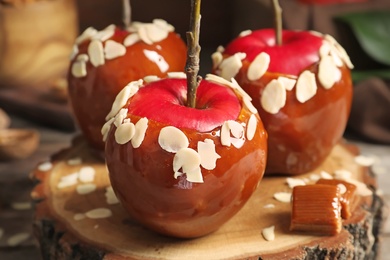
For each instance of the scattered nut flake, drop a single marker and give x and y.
(124, 133)
(306, 86)
(18, 239)
(87, 174)
(361, 188)
(273, 97)
(110, 196)
(1, 232)
(342, 174)
(96, 53)
(378, 169)
(104, 34)
(151, 78)
(248, 104)
(106, 128)
(269, 233)
(172, 139)
(328, 73)
(68, 180)
(154, 33)
(292, 182)
(188, 160)
(98, 213)
(86, 35)
(79, 69)
(177, 75)
(140, 131)
(220, 48)
(287, 83)
(230, 66)
(216, 58)
(336, 58)
(123, 96)
(314, 177)
(258, 66)
(21, 205)
(251, 128)
(164, 25)
(74, 161)
(79, 216)
(284, 197)
(269, 206)
(245, 33)
(83, 189)
(131, 39)
(364, 160)
(208, 156)
(325, 175)
(236, 129)
(113, 49)
(342, 188)
(46, 166)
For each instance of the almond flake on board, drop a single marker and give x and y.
(269, 233)
(131, 39)
(269, 206)
(273, 97)
(124, 133)
(110, 196)
(17, 239)
(83, 189)
(99, 213)
(113, 49)
(328, 73)
(79, 216)
(172, 139)
(342, 174)
(325, 175)
(251, 128)
(74, 161)
(96, 53)
(306, 86)
(46, 166)
(188, 160)
(364, 160)
(284, 197)
(86, 174)
(258, 66)
(140, 130)
(207, 153)
(292, 182)
(287, 83)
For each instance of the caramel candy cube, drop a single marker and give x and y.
(348, 197)
(316, 208)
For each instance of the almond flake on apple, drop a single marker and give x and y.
(113, 49)
(217, 59)
(287, 83)
(306, 86)
(236, 129)
(234, 84)
(155, 34)
(251, 128)
(364, 160)
(230, 66)
(86, 35)
(122, 114)
(220, 49)
(75, 51)
(188, 160)
(151, 78)
(140, 131)
(258, 66)
(245, 33)
(163, 25)
(324, 49)
(218, 80)
(177, 75)
(273, 97)
(208, 155)
(98, 213)
(225, 134)
(328, 73)
(124, 133)
(131, 39)
(339, 50)
(248, 104)
(79, 69)
(143, 34)
(172, 139)
(104, 34)
(342, 174)
(106, 128)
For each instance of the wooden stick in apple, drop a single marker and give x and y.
(126, 13)
(278, 21)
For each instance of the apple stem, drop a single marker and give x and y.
(126, 14)
(278, 22)
(193, 51)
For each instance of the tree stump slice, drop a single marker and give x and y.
(65, 232)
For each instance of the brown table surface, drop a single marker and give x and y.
(15, 187)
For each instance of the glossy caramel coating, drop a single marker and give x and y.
(301, 135)
(144, 182)
(92, 96)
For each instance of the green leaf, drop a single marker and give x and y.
(359, 75)
(372, 30)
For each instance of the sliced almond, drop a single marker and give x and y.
(79, 216)
(172, 139)
(105, 34)
(248, 104)
(110, 196)
(86, 35)
(328, 73)
(251, 128)
(258, 66)
(177, 75)
(225, 134)
(292, 182)
(17, 239)
(287, 83)
(245, 33)
(87, 174)
(155, 33)
(46, 166)
(122, 114)
(75, 51)
(140, 131)
(151, 78)
(124, 133)
(164, 25)
(96, 53)
(284, 197)
(364, 160)
(143, 34)
(98, 213)
(216, 58)
(273, 97)
(131, 39)
(113, 49)
(218, 80)
(269, 233)
(325, 175)
(342, 174)
(207, 153)
(231, 66)
(106, 128)
(342, 188)
(79, 69)
(236, 129)
(306, 86)
(188, 160)
(83, 189)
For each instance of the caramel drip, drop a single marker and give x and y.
(316, 208)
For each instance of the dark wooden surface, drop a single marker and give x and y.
(15, 187)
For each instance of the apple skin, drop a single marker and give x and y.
(300, 135)
(143, 180)
(91, 96)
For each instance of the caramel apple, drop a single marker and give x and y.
(105, 61)
(302, 89)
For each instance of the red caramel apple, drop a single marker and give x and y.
(105, 61)
(302, 90)
(184, 171)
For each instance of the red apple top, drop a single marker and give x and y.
(104, 61)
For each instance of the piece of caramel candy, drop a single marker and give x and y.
(316, 208)
(348, 197)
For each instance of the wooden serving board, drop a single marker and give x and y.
(64, 232)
